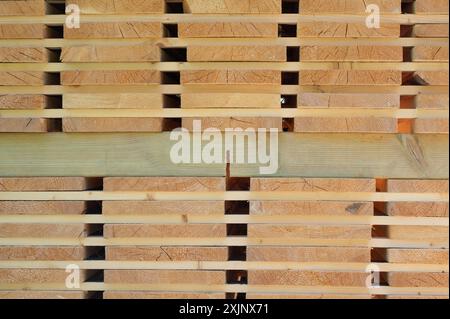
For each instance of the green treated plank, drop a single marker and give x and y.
(147, 154)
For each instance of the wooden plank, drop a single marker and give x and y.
(422, 209)
(23, 54)
(22, 31)
(162, 208)
(113, 100)
(321, 29)
(42, 207)
(431, 101)
(119, 6)
(310, 208)
(25, 125)
(418, 232)
(48, 183)
(112, 125)
(154, 231)
(156, 295)
(428, 53)
(23, 101)
(115, 30)
(43, 253)
(236, 53)
(353, 53)
(417, 256)
(42, 230)
(431, 6)
(22, 78)
(163, 184)
(431, 126)
(313, 184)
(32, 276)
(310, 232)
(418, 279)
(227, 30)
(347, 6)
(306, 278)
(230, 100)
(347, 125)
(147, 52)
(20, 7)
(308, 254)
(232, 6)
(352, 155)
(350, 77)
(222, 123)
(430, 31)
(167, 253)
(141, 77)
(255, 296)
(14, 294)
(336, 100)
(431, 77)
(230, 76)
(165, 277)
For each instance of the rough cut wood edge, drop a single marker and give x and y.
(115, 30)
(119, 6)
(124, 77)
(104, 125)
(431, 6)
(19, 8)
(232, 6)
(167, 253)
(227, 30)
(159, 184)
(112, 101)
(160, 295)
(23, 31)
(48, 183)
(347, 6)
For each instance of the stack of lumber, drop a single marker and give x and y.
(357, 209)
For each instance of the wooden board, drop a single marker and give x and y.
(165, 277)
(351, 77)
(308, 254)
(430, 30)
(23, 101)
(22, 78)
(149, 295)
(155, 231)
(431, 6)
(23, 54)
(113, 100)
(235, 122)
(140, 77)
(146, 52)
(161, 184)
(230, 76)
(348, 125)
(43, 253)
(232, 6)
(119, 6)
(22, 31)
(428, 53)
(347, 6)
(115, 30)
(417, 256)
(162, 208)
(31, 125)
(20, 7)
(418, 280)
(112, 124)
(346, 30)
(343, 100)
(43, 294)
(230, 100)
(48, 183)
(227, 30)
(306, 278)
(260, 53)
(167, 253)
(42, 207)
(355, 53)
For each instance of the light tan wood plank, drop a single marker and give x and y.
(310, 208)
(230, 100)
(22, 78)
(131, 53)
(431, 126)
(346, 30)
(43, 295)
(137, 77)
(112, 124)
(429, 53)
(235, 122)
(437, 233)
(119, 6)
(432, 101)
(417, 256)
(254, 296)
(24, 125)
(231, 77)
(431, 6)
(42, 253)
(430, 31)
(167, 253)
(336, 100)
(165, 277)
(23, 54)
(47, 183)
(232, 6)
(347, 6)
(161, 208)
(418, 280)
(152, 231)
(306, 278)
(313, 184)
(347, 125)
(30, 276)
(308, 254)
(42, 207)
(42, 230)
(22, 101)
(227, 30)
(431, 77)
(22, 31)
(163, 184)
(350, 77)
(310, 232)
(115, 30)
(20, 7)
(113, 100)
(260, 53)
(150, 295)
(351, 53)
